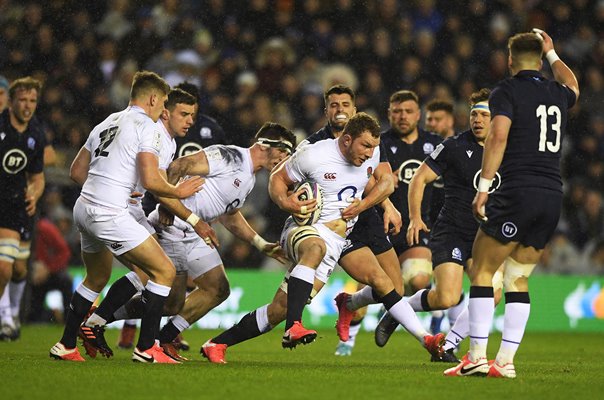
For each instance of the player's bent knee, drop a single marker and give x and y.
(447, 300)
(380, 282)
(223, 291)
(515, 275)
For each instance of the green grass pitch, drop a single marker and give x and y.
(550, 366)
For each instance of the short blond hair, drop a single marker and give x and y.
(145, 82)
(27, 83)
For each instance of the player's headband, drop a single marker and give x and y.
(280, 144)
(481, 106)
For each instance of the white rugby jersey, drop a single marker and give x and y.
(114, 145)
(166, 151)
(229, 182)
(322, 162)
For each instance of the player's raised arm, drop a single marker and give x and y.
(562, 73)
(154, 182)
(192, 164)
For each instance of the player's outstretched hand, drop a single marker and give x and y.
(165, 217)
(30, 205)
(275, 251)
(415, 226)
(188, 187)
(478, 206)
(207, 233)
(353, 210)
(393, 221)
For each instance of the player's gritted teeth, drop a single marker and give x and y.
(341, 117)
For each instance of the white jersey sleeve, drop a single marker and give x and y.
(229, 182)
(114, 145)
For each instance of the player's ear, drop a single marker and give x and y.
(165, 115)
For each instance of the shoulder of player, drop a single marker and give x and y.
(429, 136)
(318, 136)
(228, 153)
(206, 119)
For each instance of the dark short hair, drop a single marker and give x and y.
(404, 95)
(523, 44)
(440, 105)
(338, 89)
(275, 132)
(147, 81)
(179, 96)
(480, 95)
(190, 88)
(361, 122)
(26, 83)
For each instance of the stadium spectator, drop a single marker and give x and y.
(49, 271)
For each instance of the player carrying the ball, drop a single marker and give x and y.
(346, 167)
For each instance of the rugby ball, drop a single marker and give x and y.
(310, 190)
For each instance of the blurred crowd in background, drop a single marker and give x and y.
(271, 60)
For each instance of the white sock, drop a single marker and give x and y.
(459, 331)
(86, 293)
(5, 314)
(415, 301)
(481, 311)
(404, 315)
(360, 299)
(304, 273)
(262, 319)
(16, 290)
(135, 280)
(180, 323)
(156, 288)
(514, 322)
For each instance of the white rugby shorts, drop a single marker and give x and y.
(135, 207)
(115, 229)
(186, 249)
(334, 244)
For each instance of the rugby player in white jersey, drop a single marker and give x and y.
(229, 173)
(175, 121)
(121, 152)
(347, 164)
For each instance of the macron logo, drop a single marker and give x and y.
(330, 176)
(469, 153)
